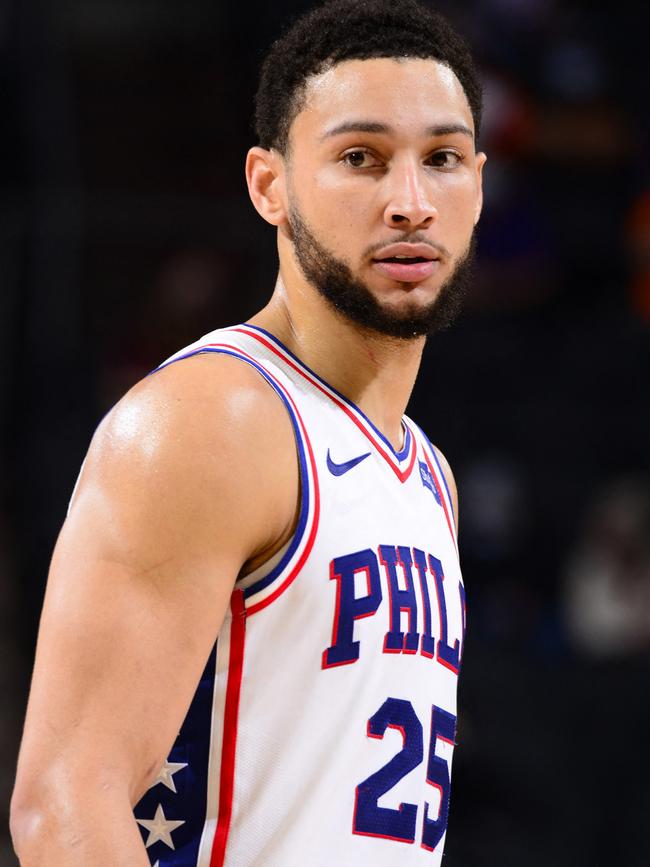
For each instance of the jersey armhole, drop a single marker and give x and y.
(436, 469)
(270, 579)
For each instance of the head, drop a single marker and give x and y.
(367, 114)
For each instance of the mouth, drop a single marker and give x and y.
(406, 269)
(407, 263)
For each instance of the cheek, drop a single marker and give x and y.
(341, 194)
(337, 213)
(457, 201)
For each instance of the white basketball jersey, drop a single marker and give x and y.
(322, 730)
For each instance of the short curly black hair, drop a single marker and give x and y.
(341, 30)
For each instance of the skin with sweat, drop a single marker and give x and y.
(141, 579)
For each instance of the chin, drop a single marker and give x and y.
(398, 294)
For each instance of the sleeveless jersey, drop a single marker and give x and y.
(321, 732)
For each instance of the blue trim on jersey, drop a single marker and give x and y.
(407, 436)
(444, 480)
(189, 802)
(302, 460)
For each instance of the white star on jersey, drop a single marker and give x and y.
(160, 828)
(166, 774)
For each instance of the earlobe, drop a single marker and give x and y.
(265, 179)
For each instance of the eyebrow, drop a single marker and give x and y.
(372, 126)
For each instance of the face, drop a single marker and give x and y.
(353, 298)
(382, 166)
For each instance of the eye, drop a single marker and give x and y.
(360, 159)
(446, 159)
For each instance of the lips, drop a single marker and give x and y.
(407, 272)
(407, 263)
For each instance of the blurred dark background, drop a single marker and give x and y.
(126, 232)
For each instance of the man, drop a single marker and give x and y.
(264, 489)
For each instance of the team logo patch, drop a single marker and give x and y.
(428, 482)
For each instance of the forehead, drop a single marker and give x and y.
(405, 93)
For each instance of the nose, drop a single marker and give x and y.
(409, 206)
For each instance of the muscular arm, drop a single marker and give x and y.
(190, 477)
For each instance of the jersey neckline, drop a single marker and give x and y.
(395, 459)
(400, 455)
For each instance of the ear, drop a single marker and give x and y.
(265, 177)
(480, 162)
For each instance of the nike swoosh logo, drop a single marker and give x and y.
(338, 469)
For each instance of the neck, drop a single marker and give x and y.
(374, 371)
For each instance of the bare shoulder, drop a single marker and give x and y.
(191, 474)
(449, 478)
(205, 399)
(206, 435)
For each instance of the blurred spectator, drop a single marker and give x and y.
(573, 69)
(519, 259)
(638, 252)
(495, 511)
(508, 123)
(503, 581)
(607, 582)
(189, 296)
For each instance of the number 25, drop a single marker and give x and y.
(372, 820)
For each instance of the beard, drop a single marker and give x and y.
(353, 299)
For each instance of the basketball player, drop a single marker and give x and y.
(254, 620)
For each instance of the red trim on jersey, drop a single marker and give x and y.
(441, 495)
(424, 588)
(369, 833)
(335, 622)
(252, 609)
(231, 713)
(315, 517)
(334, 576)
(407, 608)
(385, 649)
(401, 730)
(437, 786)
(402, 475)
(448, 665)
(440, 602)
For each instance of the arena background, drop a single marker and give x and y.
(126, 232)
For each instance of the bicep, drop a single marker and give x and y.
(141, 578)
(125, 631)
